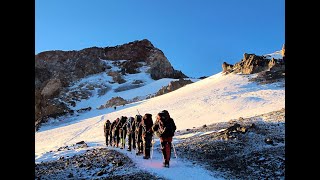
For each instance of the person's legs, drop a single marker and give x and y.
(166, 150)
(107, 136)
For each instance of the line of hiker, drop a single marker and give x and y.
(138, 132)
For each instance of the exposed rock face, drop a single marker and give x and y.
(115, 101)
(251, 64)
(227, 68)
(51, 88)
(56, 70)
(173, 85)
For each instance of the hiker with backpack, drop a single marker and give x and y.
(106, 129)
(115, 133)
(113, 124)
(147, 133)
(130, 132)
(164, 127)
(123, 131)
(137, 134)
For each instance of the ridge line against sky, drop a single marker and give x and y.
(195, 36)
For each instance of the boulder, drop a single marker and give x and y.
(172, 86)
(227, 68)
(251, 64)
(51, 88)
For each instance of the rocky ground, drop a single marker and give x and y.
(99, 163)
(244, 148)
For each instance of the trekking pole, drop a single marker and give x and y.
(174, 150)
(152, 142)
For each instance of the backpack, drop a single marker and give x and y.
(166, 126)
(128, 124)
(107, 126)
(137, 122)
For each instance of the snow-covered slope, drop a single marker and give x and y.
(275, 55)
(214, 99)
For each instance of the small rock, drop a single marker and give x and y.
(187, 129)
(70, 175)
(61, 158)
(120, 163)
(100, 173)
(268, 141)
(81, 142)
(253, 125)
(204, 126)
(243, 130)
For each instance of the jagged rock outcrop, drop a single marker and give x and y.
(56, 70)
(173, 85)
(227, 68)
(115, 101)
(252, 63)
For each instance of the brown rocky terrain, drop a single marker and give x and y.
(251, 63)
(244, 148)
(98, 163)
(173, 85)
(57, 70)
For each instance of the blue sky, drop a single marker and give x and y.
(195, 35)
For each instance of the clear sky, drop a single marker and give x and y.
(195, 35)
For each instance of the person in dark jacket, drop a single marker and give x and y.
(106, 129)
(137, 134)
(165, 127)
(123, 131)
(115, 133)
(112, 132)
(130, 132)
(147, 133)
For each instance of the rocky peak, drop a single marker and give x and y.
(56, 70)
(252, 63)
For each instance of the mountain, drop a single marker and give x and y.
(58, 72)
(229, 126)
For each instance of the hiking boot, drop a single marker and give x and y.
(146, 157)
(121, 147)
(166, 164)
(128, 149)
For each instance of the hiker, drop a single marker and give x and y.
(146, 126)
(111, 132)
(130, 133)
(165, 127)
(137, 134)
(106, 129)
(115, 133)
(122, 131)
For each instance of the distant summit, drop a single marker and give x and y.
(270, 67)
(251, 63)
(56, 70)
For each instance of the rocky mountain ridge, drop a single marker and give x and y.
(56, 70)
